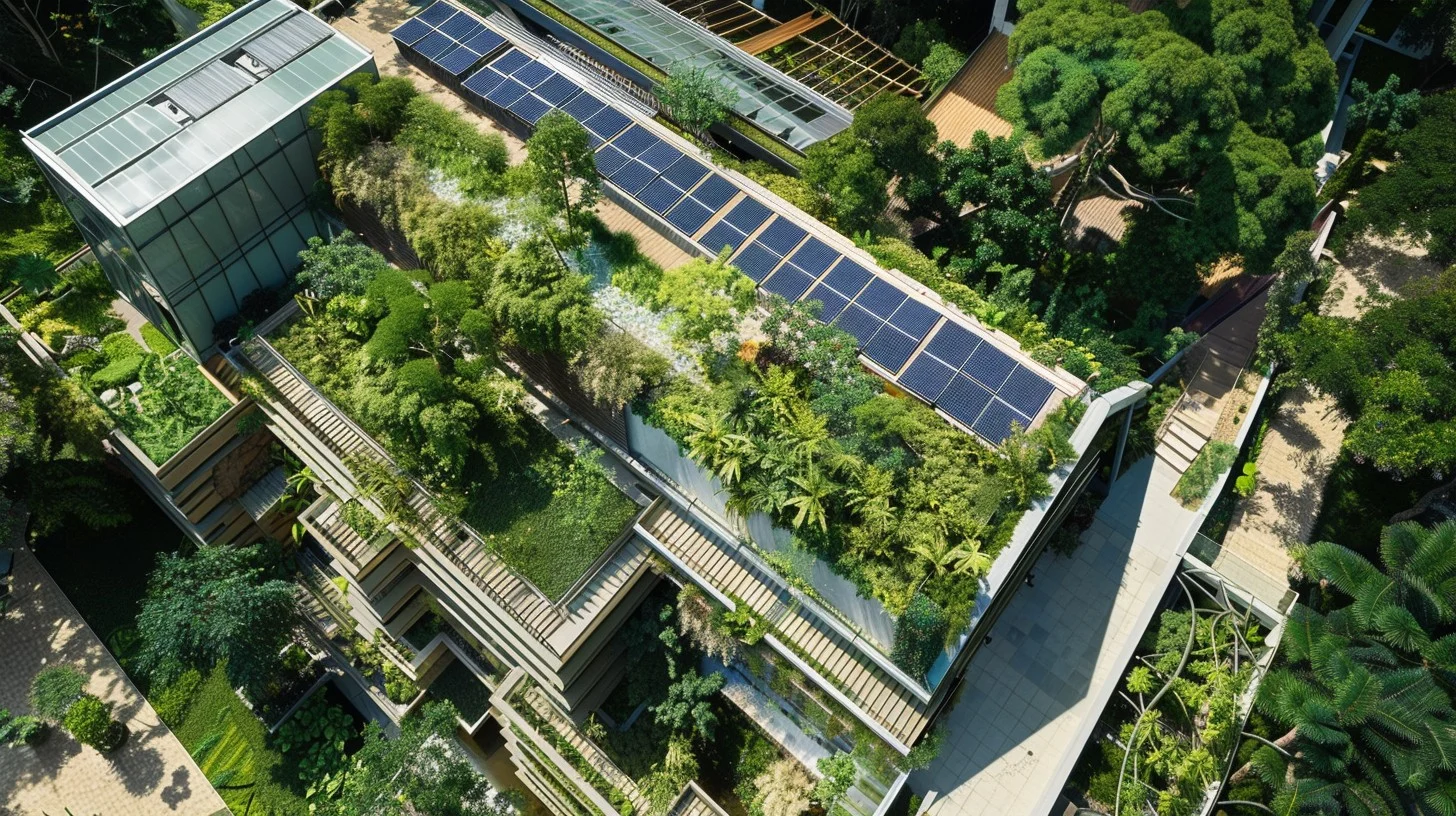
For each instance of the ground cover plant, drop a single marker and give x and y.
(78, 305)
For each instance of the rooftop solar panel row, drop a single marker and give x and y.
(451, 39)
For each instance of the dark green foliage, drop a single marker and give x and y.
(1211, 462)
(916, 39)
(540, 304)
(1417, 195)
(33, 272)
(383, 103)
(314, 737)
(920, 633)
(214, 606)
(1385, 109)
(23, 730)
(342, 266)
(54, 690)
(849, 182)
(175, 403)
(1014, 222)
(1252, 198)
(687, 710)
(172, 700)
(898, 135)
(1294, 266)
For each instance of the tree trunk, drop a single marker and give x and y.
(1283, 743)
(1424, 503)
(29, 23)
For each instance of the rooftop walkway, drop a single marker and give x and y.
(968, 103)
(1034, 692)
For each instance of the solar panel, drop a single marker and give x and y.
(508, 62)
(964, 399)
(789, 283)
(815, 256)
(507, 92)
(782, 235)
(748, 215)
(685, 172)
(532, 74)
(927, 377)
(483, 81)
(660, 156)
(914, 318)
(722, 235)
(689, 216)
(633, 176)
(610, 160)
(459, 61)
(660, 195)
(485, 41)
(583, 106)
(607, 123)
(1026, 391)
(557, 90)
(990, 365)
(530, 108)
(848, 277)
(859, 323)
(832, 301)
(756, 262)
(412, 31)
(890, 347)
(881, 297)
(461, 27)
(437, 14)
(635, 140)
(715, 192)
(995, 422)
(433, 45)
(952, 344)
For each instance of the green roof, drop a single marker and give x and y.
(144, 136)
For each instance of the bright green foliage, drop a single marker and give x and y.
(314, 736)
(342, 266)
(89, 721)
(1253, 197)
(1364, 686)
(1417, 196)
(664, 784)
(838, 777)
(215, 605)
(118, 373)
(1293, 267)
(1284, 79)
(80, 305)
(157, 342)
(439, 137)
(1385, 109)
(540, 304)
(688, 708)
(397, 685)
(54, 690)
(172, 700)
(1390, 370)
(175, 403)
(844, 174)
(456, 241)
(383, 103)
(31, 219)
(1212, 461)
(1015, 222)
(916, 40)
(560, 156)
(696, 99)
(941, 64)
(704, 299)
(919, 636)
(1054, 95)
(420, 771)
(616, 368)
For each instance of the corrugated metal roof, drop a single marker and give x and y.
(201, 93)
(277, 46)
(968, 104)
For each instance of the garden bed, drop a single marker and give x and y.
(461, 686)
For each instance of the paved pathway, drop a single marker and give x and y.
(1033, 694)
(150, 775)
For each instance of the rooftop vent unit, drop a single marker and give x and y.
(171, 110)
(251, 64)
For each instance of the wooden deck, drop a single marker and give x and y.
(760, 43)
(880, 696)
(968, 103)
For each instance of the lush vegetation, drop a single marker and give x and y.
(1415, 197)
(1212, 461)
(464, 691)
(695, 99)
(79, 305)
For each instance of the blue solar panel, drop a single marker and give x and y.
(848, 277)
(485, 41)
(689, 216)
(461, 27)
(685, 172)
(530, 108)
(507, 92)
(660, 156)
(881, 297)
(483, 81)
(859, 323)
(964, 399)
(995, 422)
(433, 45)
(582, 107)
(914, 318)
(459, 61)
(833, 302)
(438, 13)
(660, 195)
(509, 61)
(890, 347)
(927, 377)
(557, 90)
(789, 283)
(532, 74)
(722, 235)
(782, 235)
(715, 192)
(1026, 390)
(610, 160)
(412, 31)
(607, 123)
(748, 215)
(953, 343)
(990, 365)
(635, 140)
(633, 176)
(756, 262)
(815, 256)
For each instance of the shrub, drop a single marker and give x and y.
(343, 266)
(838, 777)
(156, 341)
(919, 636)
(360, 519)
(120, 346)
(397, 685)
(172, 700)
(617, 368)
(940, 65)
(315, 735)
(1215, 458)
(89, 721)
(118, 373)
(22, 730)
(440, 138)
(54, 689)
(784, 789)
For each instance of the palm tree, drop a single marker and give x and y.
(814, 488)
(869, 496)
(1366, 689)
(713, 444)
(33, 273)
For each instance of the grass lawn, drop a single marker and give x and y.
(230, 745)
(1358, 502)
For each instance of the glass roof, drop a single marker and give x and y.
(147, 134)
(778, 104)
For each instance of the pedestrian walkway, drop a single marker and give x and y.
(150, 774)
(1034, 692)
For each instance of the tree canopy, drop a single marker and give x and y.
(1417, 196)
(1014, 221)
(560, 155)
(695, 98)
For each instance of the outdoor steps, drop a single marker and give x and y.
(878, 695)
(588, 749)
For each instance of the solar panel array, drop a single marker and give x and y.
(950, 366)
(451, 40)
